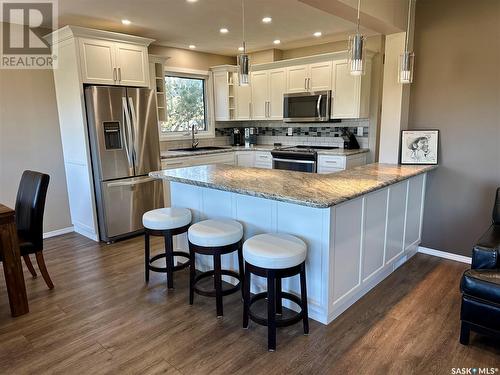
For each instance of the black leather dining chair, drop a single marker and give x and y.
(480, 286)
(30, 206)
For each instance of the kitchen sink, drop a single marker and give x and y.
(206, 148)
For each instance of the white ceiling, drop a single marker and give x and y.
(179, 23)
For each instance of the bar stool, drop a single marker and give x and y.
(275, 256)
(215, 238)
(165, 222)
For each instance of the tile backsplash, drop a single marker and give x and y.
(270, 132)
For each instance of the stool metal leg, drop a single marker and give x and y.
(303, 295)
(192, 274)
(246, 296)
(271, 311)
(146, 256)
(218, 284)
(169, 259)
(279, 304)
(241, 272)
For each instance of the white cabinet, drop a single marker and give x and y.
(98, 61)
(337, 163)
(132, 64)
(311, 77)
(350, 94)
(112, 63)
(243, 101)
(221, 95)
(263, 159)
(259, 82)
(245, 159)
(268, 87)
(297, 78)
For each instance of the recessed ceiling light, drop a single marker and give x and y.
(192, 46)
(126, 22)
(277, 41)
(191, 1)
(224, 30)
(317, 34)
(267, 20)
(241, 48)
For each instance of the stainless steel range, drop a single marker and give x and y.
(298, 158)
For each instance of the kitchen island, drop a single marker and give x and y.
(359, 224)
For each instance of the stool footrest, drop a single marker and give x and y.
(211, 293)
(279, 322)
(164, 269)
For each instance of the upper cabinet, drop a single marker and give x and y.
(310, 77)
(106, 62)
(107, 58)
(350, 94)
(263, 98)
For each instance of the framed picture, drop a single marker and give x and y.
(419, 147)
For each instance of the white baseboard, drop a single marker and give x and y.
(58, 232)
(445, 255)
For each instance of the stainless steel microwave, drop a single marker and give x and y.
(307, 106)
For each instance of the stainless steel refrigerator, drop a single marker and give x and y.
(125, 147)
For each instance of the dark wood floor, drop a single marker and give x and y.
(101, 318)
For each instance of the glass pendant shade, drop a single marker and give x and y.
(406, 63)
(243, 70)
(356, 55)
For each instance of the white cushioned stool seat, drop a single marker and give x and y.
(274, 251)
(166, 218)
(214, 233)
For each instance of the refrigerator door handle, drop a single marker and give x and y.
(134, 124)
(131, 183)
(128, 143)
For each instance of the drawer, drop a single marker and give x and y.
(174, 163)
(263, 160)
(331, 161)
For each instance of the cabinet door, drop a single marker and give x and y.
(320, 76)
(345, 92)
(297, 78)
(245, 159)
(277, 87)
(98, 61)
(260, 94)
(221, 96)
(132, 65)
(243, 100)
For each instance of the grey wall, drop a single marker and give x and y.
(30, 139)
(457, 90)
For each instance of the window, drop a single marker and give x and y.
(186, 98)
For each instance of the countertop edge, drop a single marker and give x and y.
(301, 202)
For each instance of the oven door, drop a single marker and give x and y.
(295, 165)
(307, 107)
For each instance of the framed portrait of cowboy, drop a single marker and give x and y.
(419, 147)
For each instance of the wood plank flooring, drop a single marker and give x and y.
(101, 318)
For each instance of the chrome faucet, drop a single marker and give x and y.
(194, 142)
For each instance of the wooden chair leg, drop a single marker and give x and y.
(241, 272)
(246, 297)
(464, 334)
(271, 311)
(192, 274)
(303, 296)
(43, 269)
(27, 260)
(169, 260)
(279, 303)
(218, 285)
(146, 256)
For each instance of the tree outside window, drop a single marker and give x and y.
(185, 98)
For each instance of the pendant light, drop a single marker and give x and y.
(356, 50)
(243, 59)
(406, 60)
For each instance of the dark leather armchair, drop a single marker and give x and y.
(480, 285)
(30, 206)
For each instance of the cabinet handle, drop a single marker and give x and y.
(309, 83)
(269, 109)
(250, 110)
(114, 74)
(119, 74)
(305, 83)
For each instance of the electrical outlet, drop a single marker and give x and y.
(360, 131)
(290, 132)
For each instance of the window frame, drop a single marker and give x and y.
(209, 104)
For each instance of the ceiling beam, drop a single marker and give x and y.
(381, 16)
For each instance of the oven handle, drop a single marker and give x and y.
(295, 161)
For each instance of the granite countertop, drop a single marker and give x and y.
(307, 189)
(179, 154)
